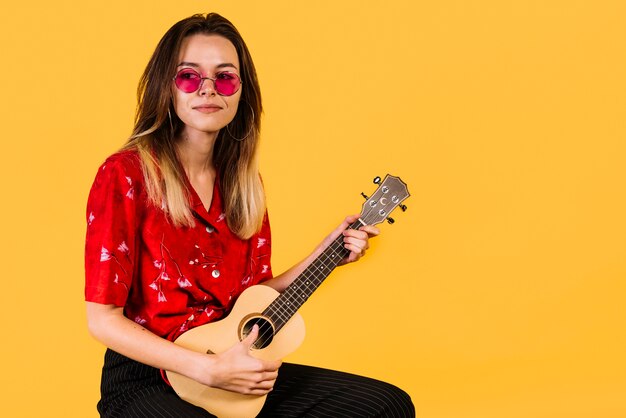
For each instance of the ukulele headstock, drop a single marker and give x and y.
(390, 194)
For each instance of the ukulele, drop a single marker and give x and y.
(281, 328)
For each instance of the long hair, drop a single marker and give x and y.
(157, 127)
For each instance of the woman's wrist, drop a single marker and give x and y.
(199, 367)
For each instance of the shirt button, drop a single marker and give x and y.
(215, 273)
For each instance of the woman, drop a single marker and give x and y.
(177, 229)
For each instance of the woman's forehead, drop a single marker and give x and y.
(207, 50)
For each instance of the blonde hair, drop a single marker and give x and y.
(157, 127)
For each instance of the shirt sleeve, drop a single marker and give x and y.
(263, 253)
(110, 246)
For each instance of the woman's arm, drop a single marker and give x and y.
(357, 241)
(233, 370)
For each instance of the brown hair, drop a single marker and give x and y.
(156, 128)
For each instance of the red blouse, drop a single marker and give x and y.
(167, 279)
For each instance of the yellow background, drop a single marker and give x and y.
(499, 293)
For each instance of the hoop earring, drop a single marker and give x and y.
(169, 115)
(249, 131)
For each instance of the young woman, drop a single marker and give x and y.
(177, 229)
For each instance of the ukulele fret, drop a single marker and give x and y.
(299, 291)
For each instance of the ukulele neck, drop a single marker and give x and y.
(303, 286)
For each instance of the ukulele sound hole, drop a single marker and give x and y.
(266, 331)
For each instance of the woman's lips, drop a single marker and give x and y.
(207, 108)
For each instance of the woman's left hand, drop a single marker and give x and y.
(355, 240)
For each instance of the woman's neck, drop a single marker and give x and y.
(195, 151)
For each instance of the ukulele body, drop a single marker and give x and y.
(219, 336)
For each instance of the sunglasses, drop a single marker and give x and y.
(225, 82)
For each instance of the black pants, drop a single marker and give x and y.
(132, 389)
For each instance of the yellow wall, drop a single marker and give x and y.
(499, 293)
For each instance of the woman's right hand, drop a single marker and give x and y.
(237, 371)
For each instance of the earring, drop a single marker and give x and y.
(249, 131)
(169, 115)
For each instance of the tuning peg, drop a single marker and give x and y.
(390, 220)
(403, 207)
(364, 196)
(376, 180)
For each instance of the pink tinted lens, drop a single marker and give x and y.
(227, 84)
(188, 80)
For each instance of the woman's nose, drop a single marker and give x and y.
(207, 88)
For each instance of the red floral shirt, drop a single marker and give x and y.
(167, 279)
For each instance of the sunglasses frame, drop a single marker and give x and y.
(208, 78)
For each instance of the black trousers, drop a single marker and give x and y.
(132, 389)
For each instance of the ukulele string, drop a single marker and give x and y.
(308, 275)
(304, 280)
(336, 248)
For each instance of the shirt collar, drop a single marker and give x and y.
(215, 215)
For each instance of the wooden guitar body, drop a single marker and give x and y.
(217, 337)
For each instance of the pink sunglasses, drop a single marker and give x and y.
(225, 82)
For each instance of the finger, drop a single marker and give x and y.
(260, 380)
(272, 366)
(268, 376)
(349, 259)
(361, 244)
(250, 389)
(362, 235)
(258, 391)
(355, 252)
(265, 385)
(358, 238)
(252, 336)
(371, 230)
(352, 218)
(349, 220)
